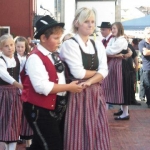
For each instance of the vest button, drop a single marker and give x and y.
(53, 99)
(56, 79)
(52, 106)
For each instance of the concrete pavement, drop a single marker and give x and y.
(128, 135)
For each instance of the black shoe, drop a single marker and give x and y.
(142, 99)
(20, 142)
(118, 113)
(27, 148)
(135, 102)
(124, 118)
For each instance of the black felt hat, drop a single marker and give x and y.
(105, 25)
(45, 23)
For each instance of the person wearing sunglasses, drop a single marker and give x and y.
(45, 88)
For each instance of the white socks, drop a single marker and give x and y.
(125, 113)
(11, 146)
(107, 106)
(28, 143)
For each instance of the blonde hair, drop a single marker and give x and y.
(81, 15)
(67, 36)
(5, 37)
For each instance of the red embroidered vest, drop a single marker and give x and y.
(105, 42)
(29, 94)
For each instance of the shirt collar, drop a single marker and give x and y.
(43, 50)
(81, 43)
(8, 59)
(108, 36)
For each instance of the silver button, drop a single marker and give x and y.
(53, 99)
(52, 105)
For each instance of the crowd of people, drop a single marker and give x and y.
(55, 95)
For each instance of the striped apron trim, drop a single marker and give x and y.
(86, 125)
(26, 131)
(113, 84)
(10, 113)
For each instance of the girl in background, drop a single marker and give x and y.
(22, 49)
(10, 103)
(118, 82)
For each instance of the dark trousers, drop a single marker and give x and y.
(47, 127)
(142, 89)
(146, 83)
(133, 80)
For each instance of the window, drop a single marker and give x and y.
(4, 30)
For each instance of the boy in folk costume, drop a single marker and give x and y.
(44, 92)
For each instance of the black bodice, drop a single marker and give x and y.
(14, 72)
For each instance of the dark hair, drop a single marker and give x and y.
(55, 29)
(119, 27)
(135, 41)
(23, 39)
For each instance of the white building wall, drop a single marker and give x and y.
(69, 13)
(47, 4)
(105, 11)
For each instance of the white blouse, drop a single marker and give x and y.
(71, 54)
(38, 74)
(116, 45)
(22, 60)
(10, 63)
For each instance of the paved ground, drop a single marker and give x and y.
(128, 135)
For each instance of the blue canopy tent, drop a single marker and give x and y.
(137, 24)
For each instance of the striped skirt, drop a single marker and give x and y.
(10, 113)
(26, 131)
(116, 86)
(86, 124)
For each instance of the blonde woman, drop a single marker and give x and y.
(86, 126)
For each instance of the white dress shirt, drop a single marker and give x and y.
(71, 54)
(106, 38)
(39, 76)
(116, 45)
(10, 63)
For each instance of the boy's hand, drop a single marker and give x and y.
(18, 85)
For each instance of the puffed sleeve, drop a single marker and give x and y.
(115, 46)
(71, 54)
(103, 68)
(4, 73)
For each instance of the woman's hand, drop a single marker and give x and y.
(85, 84)
(75, 87)
(129, 54)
